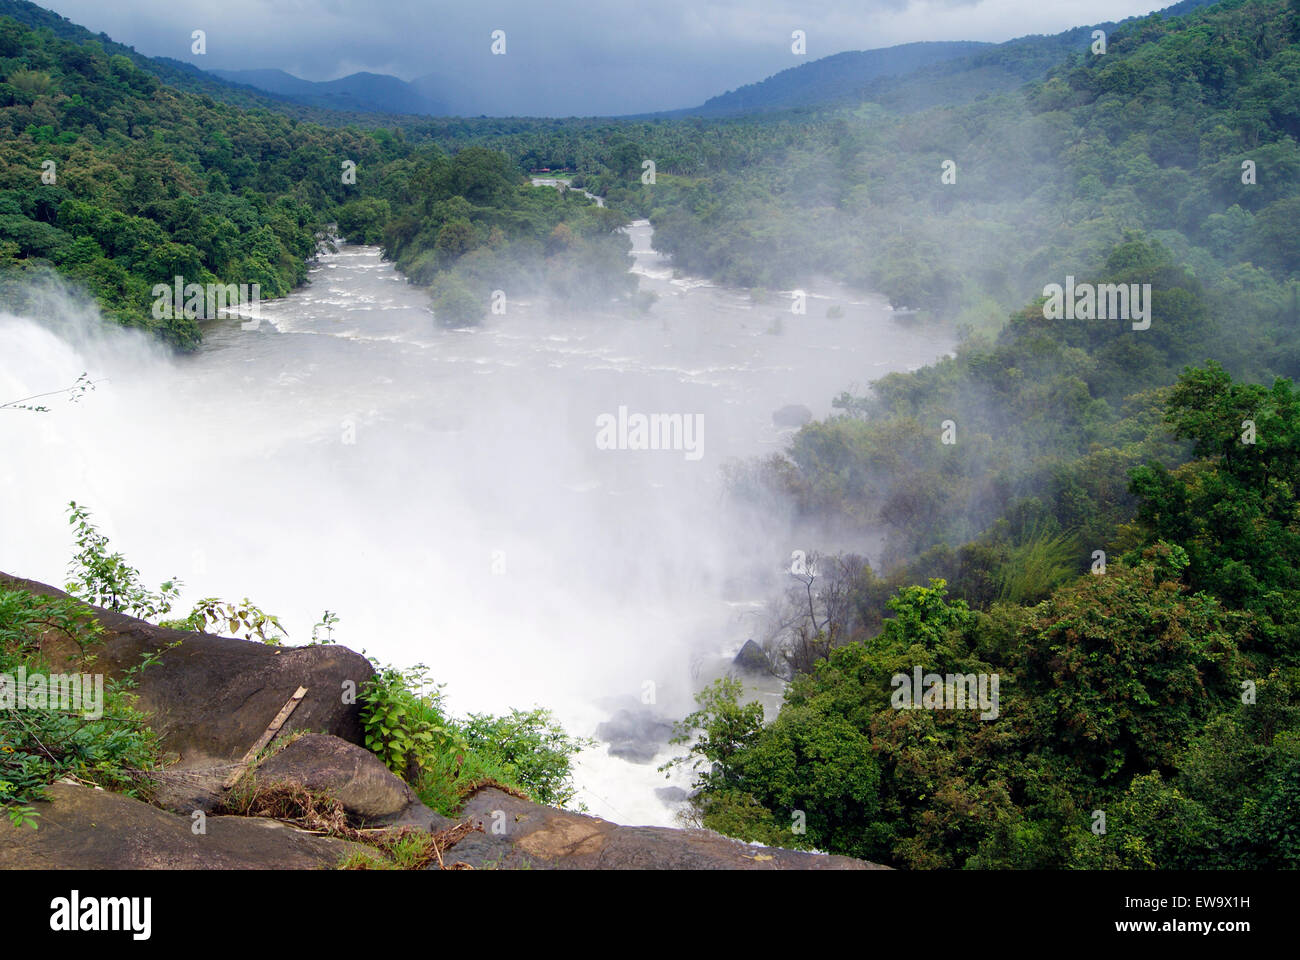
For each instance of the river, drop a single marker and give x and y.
(442, 490)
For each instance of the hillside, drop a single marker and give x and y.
(828, 79)
(186, 77)
(359, 92)
(1001, 68)
(911, 76)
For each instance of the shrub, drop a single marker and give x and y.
(39, 745)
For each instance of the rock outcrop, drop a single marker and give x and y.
(212, 698)
(519, 834)
(752, 658)
(84, 828)
(354, 775)
(635, 735)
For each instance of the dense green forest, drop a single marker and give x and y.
(1111, 530)
(122, 182)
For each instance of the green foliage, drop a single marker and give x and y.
(404, 719)
(107, 580)
(1048, 419)
(1231, 802)
(363, 221)
(460, 223)
(739, 815)
(719, 730)
(1233, 509)
(1121, 691)
(39, 745)
(808, 770)
(532, 749)
(1043, 561)
(1125, 668)
(323, 631)
(1118, 693)
(453, 304)
(244, 618)
(408, 727)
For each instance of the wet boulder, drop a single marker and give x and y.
(792, 415)
(635, 735)
(752, 659)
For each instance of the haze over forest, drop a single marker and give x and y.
(868, 429)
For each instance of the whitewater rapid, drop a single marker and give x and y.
(442, 490)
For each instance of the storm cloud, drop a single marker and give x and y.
(564, 58)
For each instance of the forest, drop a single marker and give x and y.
(1111, 532)
(1105, 518)
(119, 182)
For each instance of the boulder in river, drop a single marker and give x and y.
(792, 415)
(635, 735)
(752, 658)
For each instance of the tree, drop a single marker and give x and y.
(1233, 509)
(827, 604)
(1121, 670)
(455, 238)
(453, 303)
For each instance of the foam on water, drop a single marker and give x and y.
(350, 454)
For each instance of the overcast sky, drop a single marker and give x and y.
(565, 57)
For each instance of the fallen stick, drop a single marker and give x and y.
(267, 736)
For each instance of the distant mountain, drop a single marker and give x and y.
(363, 92)
(835, 77)
(912, 76)
(178, 73)
(332, 102)
(996, 68)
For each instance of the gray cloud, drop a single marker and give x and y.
(565, 57)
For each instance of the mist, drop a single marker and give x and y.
(443, 491)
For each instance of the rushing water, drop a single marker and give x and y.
(442, 490)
